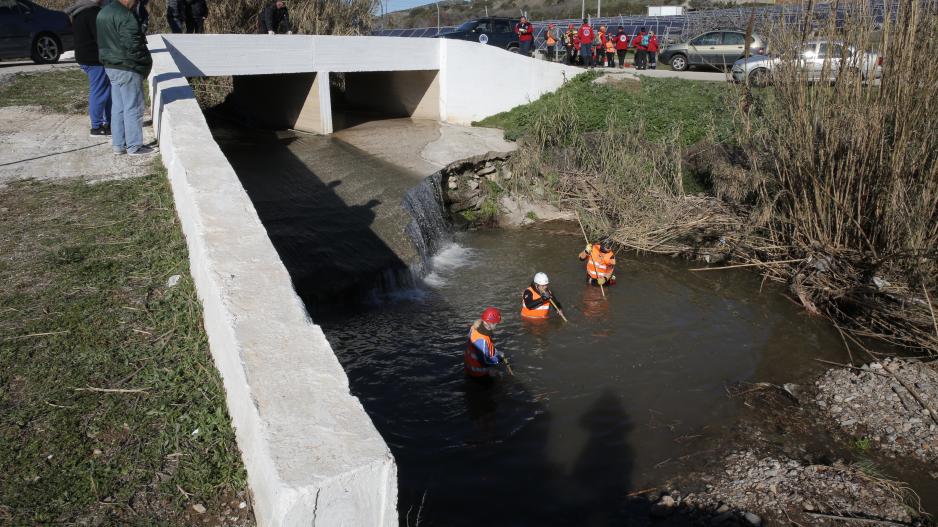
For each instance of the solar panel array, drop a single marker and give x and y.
(681, 27)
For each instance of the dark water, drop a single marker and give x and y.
(629, 393)
(606, 404)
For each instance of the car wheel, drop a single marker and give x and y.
(679, 63)
(512, 49)
(46, 49)
(759, 77)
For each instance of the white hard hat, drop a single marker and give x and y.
(541, 279)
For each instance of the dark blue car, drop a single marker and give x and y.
(494, 31)
(29, 30)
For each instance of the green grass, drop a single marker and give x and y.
(63, 91)
(666, 106)
(85, 304)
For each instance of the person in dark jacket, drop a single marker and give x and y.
(143, 16)
(122, 49)
(275, 19)
(175, 15)
(83, 15)
(196, 13)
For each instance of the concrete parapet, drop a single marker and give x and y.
(313, 456)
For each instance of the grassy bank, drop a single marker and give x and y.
(654, 108)
(111, 411)
(63, 91)
(829, 186)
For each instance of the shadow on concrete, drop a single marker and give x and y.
(322, 226)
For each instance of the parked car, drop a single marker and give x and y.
(494, 31)
(818, 60)
(30, 30)
(717, 48)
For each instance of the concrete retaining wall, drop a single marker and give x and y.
(313, 456)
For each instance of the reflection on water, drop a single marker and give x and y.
(599, 406)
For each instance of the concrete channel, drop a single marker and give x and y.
(312, 454)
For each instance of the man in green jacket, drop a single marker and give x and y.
(122, 49)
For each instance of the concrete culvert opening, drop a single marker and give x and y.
(359, 97)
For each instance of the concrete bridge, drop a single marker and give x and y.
(312, 454)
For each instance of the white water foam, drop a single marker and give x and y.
(446, 262)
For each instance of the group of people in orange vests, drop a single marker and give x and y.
(588, 47)
(481, 359)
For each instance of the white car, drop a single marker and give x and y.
(819, 60)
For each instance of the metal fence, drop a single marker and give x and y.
(681, 27)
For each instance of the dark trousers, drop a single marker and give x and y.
(652, 59)
(175, 20)
(611, 59)
(586, 52)
(640, 55)
(195, 25)
(525, 48)
(621, 53)
(571, 54)
(551, 50)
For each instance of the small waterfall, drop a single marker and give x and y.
(429, 229)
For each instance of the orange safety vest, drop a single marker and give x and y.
(610, 47)
(550, 38)
(539, 312)
(599, 263)
(471, 363)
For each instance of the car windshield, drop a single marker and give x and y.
(467, 26)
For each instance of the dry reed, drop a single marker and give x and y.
(829, 186)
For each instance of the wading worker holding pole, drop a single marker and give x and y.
(600, 264)
(537, 300)
(481, 358)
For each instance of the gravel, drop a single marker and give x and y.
(872, 404)
(775, 491)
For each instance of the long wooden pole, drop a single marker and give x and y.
(601, 288)
(559, 311)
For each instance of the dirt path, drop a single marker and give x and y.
(36, 144)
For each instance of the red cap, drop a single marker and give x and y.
(492, 315)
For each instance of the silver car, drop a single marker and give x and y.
(821, 59)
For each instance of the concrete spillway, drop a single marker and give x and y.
(312, 454)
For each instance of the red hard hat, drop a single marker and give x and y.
(492, 315)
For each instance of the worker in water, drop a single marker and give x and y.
(600, 263)
(537, 300)
(481, 358)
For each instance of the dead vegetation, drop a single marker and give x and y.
(830, 187)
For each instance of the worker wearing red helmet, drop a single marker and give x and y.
(481, 357)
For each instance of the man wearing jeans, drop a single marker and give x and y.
(123, 51)
(84, 14)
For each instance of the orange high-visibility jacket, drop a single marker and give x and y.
(599, 263)
(541, 311)
(480, 352)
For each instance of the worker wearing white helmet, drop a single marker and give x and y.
(537, 300)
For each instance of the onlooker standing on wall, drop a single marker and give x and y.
(585, 36)
(550, 38)
(652, 51)
(175, 15)
(275, 19)
(525, 32)
(640, 43)
(622, 45)
(196, 13)
(84, 14)
(123, 51)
